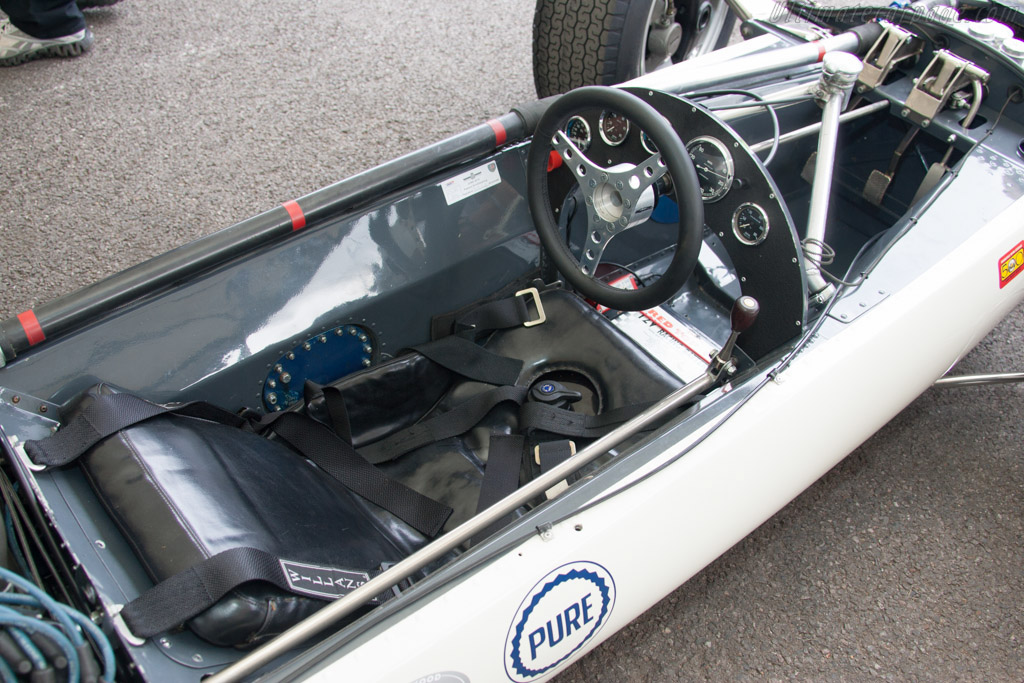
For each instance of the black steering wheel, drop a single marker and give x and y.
(617, 198)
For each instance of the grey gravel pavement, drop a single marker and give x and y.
(903, 563)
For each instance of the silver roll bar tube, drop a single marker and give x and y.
(839, 71)
(696, 74)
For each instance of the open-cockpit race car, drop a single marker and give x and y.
(431, 456)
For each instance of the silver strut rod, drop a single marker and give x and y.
(744, 314)
(839, 71)
(978, 380)
(814, 128)
(695, 74)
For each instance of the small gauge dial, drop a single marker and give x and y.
(648, 143)
(578, 130)
(750, 224)
(613, 128)
(714, 166)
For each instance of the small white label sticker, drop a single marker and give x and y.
(469, 183)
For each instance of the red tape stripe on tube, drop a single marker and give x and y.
(295, 211)
(500, 135)
(33, 330)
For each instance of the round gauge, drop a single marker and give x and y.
(613, 128)
(648, 143)
(750, 224)
(714, 167)
(578, 130)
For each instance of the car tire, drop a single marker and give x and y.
(604, 42)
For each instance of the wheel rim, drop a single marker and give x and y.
(668, 42)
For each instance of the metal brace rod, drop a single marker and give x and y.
(814, 128)
(979, 380)
(839, 72)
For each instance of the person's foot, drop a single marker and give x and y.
(18, 47)
(86, 4)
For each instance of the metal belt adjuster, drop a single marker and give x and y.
(541, 315)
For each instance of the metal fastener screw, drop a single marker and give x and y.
(272, 399)
(306, 346)
(367, 349)
(271, 383)
(363, 337)
(323, 338)
(338, 332)
(278, 368)
(15, 399)
(197, 658)
(42, 408)
(286, 377)
(905, 112)
(290, 356)
(100, 544)
(165, 643)
(366, 362)
(353, 331)
(618, 185)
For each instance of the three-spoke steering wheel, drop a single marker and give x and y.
(617, 198)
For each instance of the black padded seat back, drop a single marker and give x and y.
(182, 490)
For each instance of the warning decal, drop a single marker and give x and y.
(680, 347)
(1010, 265)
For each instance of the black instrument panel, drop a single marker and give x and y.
(742, 206)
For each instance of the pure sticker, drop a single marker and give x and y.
(560, 614)
(1010, 265)
(321, 582)
(469, 183)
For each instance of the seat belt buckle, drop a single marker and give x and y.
(526, 294)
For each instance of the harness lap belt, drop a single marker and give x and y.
(188, 593)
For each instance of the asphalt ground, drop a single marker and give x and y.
(903, 563)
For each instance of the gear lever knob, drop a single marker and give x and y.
(744, 313)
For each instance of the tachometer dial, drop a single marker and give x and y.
(613, 128)
(714, 165)
(750, 224)
(578, 130)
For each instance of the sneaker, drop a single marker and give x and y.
(87, 4)
(18, 47)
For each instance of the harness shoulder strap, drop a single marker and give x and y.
(108, 414)
(463, 417)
